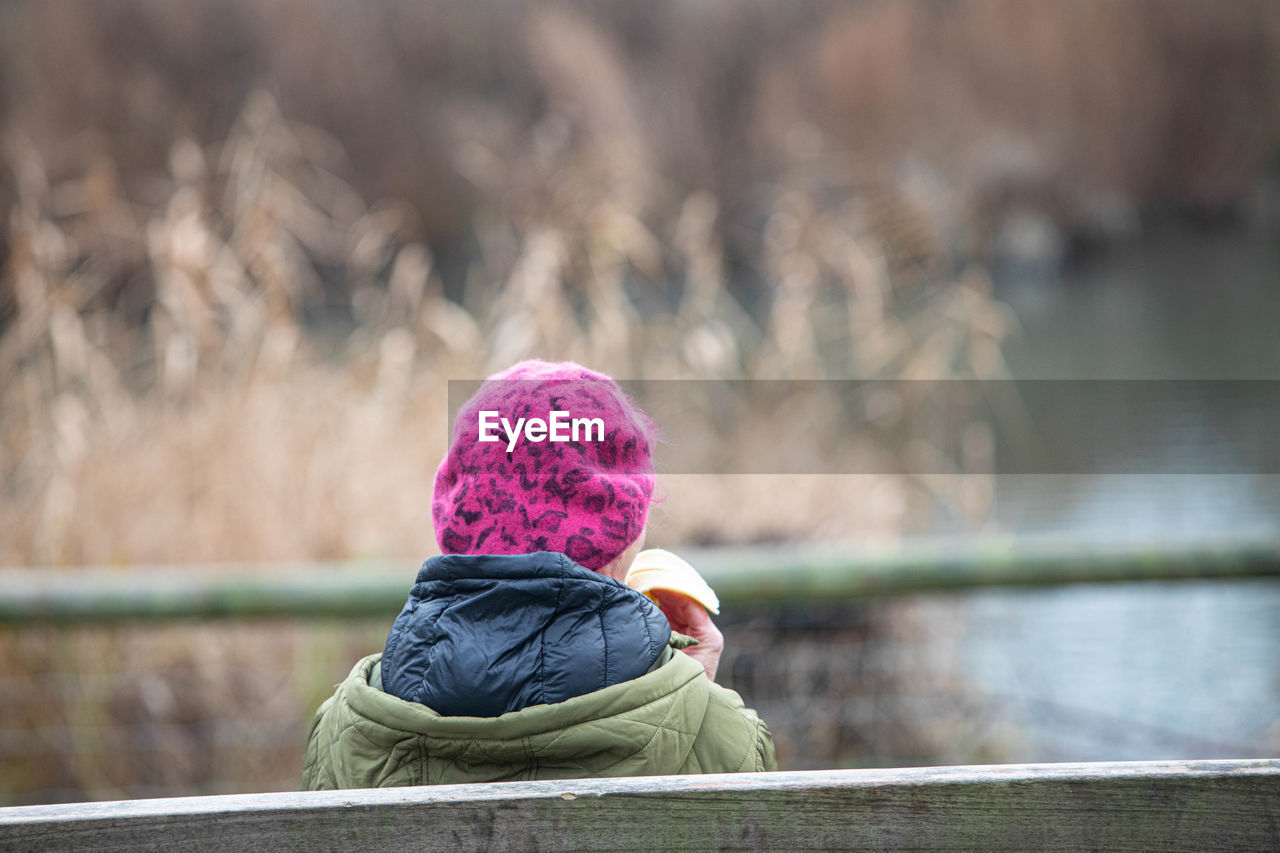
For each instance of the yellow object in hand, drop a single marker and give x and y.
(657, 570)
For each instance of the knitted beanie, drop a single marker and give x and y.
(585, 494)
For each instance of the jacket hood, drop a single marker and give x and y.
(647, 726)
(487, 635)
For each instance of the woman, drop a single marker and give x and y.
(519, 653)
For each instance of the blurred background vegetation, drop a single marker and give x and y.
(246, 243)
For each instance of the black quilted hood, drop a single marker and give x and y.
(483, 635)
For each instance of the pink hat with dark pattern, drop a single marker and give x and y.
(585, 494)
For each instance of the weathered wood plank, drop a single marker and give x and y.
(1169, 805)
(757, 575)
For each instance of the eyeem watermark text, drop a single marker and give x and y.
(559, 426)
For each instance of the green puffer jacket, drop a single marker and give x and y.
(670, 720)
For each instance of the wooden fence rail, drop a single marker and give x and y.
(758, 575)
(1162, 805)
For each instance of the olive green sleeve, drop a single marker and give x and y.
(312, 771)
(767, 760)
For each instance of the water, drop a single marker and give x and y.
(1198, 306)
(1130, 672)
(1139, 671)
(1177, 306)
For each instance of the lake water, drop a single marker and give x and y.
(1128, 672)
(1198, 306)
(1138, 671)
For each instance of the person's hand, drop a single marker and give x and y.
(689, 617)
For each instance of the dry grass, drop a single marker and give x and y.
(220, 422)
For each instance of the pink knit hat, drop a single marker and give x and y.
(587, 498)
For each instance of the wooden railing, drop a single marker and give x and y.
(741, 576)
(1162, 805)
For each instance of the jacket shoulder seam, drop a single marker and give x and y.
(604, 641)
(433, 636)
(542, 644)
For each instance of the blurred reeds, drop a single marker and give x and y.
(225, 215)
(246, 243)
(253, 369)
